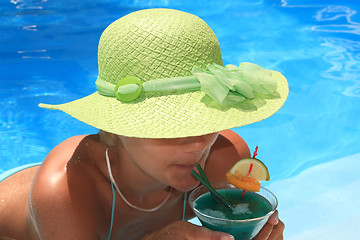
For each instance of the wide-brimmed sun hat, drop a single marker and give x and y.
(161, 76)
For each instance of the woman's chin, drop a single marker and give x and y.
(185, 185)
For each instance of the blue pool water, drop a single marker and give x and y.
(48, 53)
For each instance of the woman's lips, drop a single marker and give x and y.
(186, 166)
(189, 163)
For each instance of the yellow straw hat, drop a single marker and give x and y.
(161, 76)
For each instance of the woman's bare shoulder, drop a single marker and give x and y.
(53, 171)
(66, 147)
(54, 167)
(64, 158)
(62, 169)
(234, 140)
(56, 192)
(226, 151)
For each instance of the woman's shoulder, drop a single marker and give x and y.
(62, 154)
(231, 139)
(59, 189)
(53, 170)
(226, 151)
(60, 166)
(67, 146)
(63, 181)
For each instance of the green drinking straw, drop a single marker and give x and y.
(205, 181)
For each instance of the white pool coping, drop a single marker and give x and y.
(323, 202)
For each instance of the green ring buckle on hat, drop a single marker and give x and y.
(161, 76)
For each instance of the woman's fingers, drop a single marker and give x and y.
(202, 233)
(265, 232)
(277, 232)
(182, 230)
(274, 219)
(272, 230)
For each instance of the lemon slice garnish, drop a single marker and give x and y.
(246, 173)
(258, 170)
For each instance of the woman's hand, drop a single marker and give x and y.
(272, 230)
(182, 230)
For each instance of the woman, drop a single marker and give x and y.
(164, 102)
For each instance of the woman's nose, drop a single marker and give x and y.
(193, 145)
(197, 144)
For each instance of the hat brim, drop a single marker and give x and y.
(171, 116)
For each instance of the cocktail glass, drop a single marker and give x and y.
(241, 229)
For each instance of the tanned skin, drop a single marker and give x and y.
(69, 196)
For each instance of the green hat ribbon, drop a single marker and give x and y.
(226, 85)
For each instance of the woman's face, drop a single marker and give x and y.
(169, 161)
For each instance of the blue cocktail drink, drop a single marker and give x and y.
(244, 221)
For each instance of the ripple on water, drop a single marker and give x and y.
(340, 35)
(18, 143)
(27, 131)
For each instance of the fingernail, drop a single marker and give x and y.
(227, 237)
(275, 220)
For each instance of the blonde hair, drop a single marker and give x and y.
(108, 139)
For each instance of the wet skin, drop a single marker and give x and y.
(71, 190)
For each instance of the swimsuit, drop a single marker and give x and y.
(10, 172)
